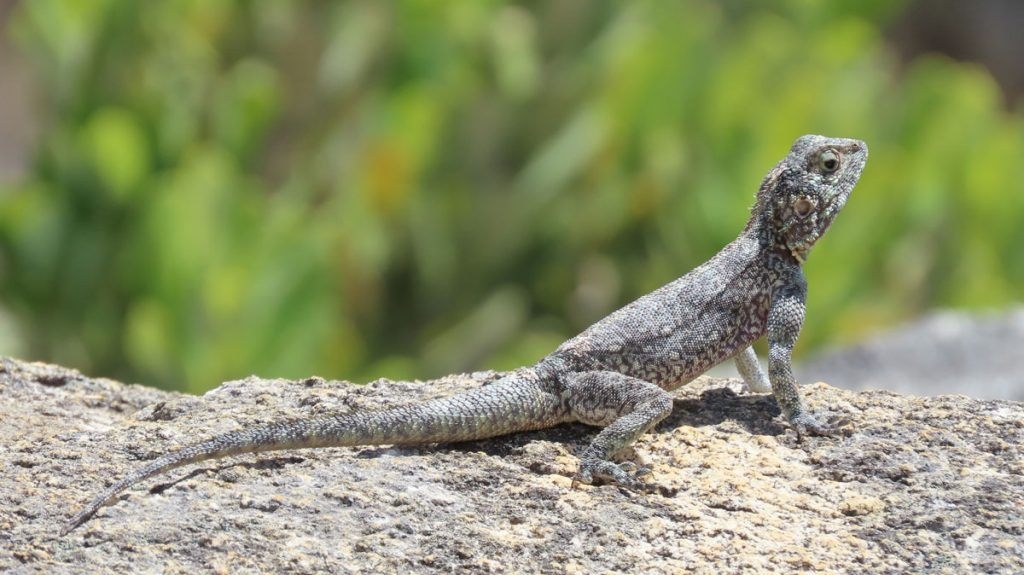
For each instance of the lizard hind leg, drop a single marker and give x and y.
(626, 407)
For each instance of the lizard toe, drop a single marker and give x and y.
(805, 424)
(623, 474)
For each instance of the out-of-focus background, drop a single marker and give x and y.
(196, 190)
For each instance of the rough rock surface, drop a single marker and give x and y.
(922, 485)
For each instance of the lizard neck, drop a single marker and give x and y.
(771, 241)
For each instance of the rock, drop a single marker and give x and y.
(976, 354)
(914, 485)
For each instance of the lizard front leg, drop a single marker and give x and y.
(626, 407)
(785, 319)
(751, 372)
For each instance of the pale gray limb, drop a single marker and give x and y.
(750, 370)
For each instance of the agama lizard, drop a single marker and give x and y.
(618, 373)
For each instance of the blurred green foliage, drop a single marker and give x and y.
(407, 188)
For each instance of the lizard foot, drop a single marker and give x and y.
(747, 387)
(805, 424)
(625, 474)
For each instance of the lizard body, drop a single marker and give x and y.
(617, 374)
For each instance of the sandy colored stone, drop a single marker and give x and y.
(915, 485)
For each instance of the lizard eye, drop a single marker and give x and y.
(802, 207)
(828, 161)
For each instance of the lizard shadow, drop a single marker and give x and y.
(278, 462)
(756, 414)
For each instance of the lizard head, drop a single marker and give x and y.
(801, 196)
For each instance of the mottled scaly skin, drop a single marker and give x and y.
(618, 373)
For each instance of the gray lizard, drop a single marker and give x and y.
(618, 373)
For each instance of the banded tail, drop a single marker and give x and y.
(505, 406)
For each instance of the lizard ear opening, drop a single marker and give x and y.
(803, 207)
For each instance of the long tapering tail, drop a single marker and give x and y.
(515, 403)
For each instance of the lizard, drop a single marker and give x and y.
(617, 374)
